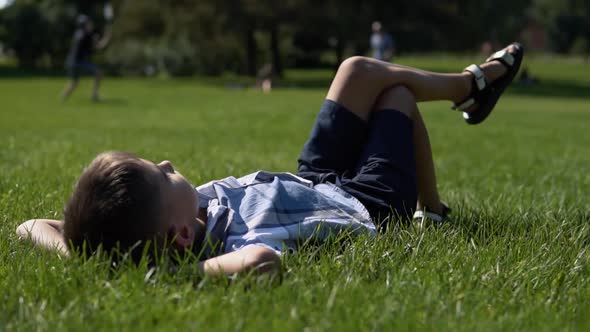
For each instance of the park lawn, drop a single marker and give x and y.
(516, 258)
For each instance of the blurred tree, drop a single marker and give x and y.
(60, 17)
(41, 30)
(27, 31)
(568, 23)
(183, 37)
(243, 24)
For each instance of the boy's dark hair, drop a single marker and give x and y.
(115, 205)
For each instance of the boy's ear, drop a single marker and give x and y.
(181, 236)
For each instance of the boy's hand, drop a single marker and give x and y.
(45, 233)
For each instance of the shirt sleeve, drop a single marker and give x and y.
(207, 192)
(265, 245)
(278, 246)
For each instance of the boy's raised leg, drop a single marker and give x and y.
(428, 197)
(360, 81)
(394, 168)
(402, 99)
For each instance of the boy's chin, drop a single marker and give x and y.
(200, 229)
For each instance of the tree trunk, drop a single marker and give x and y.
(26, 60)
(275, 49)
(339, 49)
(251, 52)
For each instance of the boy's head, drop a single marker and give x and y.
(376, 27)
(122, 201)
(84, 22)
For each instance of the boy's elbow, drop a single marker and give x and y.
(264, 260)
(20, 231)
(24, 230)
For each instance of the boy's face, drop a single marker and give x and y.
(179, 202)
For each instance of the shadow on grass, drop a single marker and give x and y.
(544, 88)
(553, 88)
(11, 72)
(321, 79)
(113, 102)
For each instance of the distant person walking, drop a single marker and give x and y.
(85, 41)
(381, 43)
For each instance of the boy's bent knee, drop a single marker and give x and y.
(355, 65)
(399, 98)
(401, 92)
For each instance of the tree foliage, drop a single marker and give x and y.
(184, 37)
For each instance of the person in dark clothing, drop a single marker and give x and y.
(84, 42)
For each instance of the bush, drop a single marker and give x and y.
(580, 46)
(175, 56)
(28, 36)
(568, 29)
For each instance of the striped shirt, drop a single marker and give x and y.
(277, 211)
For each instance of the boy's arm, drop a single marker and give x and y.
(104, 40)
(45, 233)
(252, 258)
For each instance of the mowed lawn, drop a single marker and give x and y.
(516, 258)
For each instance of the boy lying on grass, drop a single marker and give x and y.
(368, 158)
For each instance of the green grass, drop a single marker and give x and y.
(517, 257)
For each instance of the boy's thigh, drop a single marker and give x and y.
(335, 144)
(385, 180)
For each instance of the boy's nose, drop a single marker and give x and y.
(166, 166)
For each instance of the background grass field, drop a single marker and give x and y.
(517, 257)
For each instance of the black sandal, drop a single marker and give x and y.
(486, 95)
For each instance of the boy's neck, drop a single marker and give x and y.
(201, 230)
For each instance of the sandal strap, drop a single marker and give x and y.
(478, 76)
(420, 215)
(480, 83)
(464, 105)
(503, 56)
(424, 217)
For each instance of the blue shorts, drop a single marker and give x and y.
(79, 67)
(373, 161)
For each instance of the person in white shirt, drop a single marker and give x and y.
(382, 43)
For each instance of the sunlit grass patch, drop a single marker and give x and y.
(515, 258)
